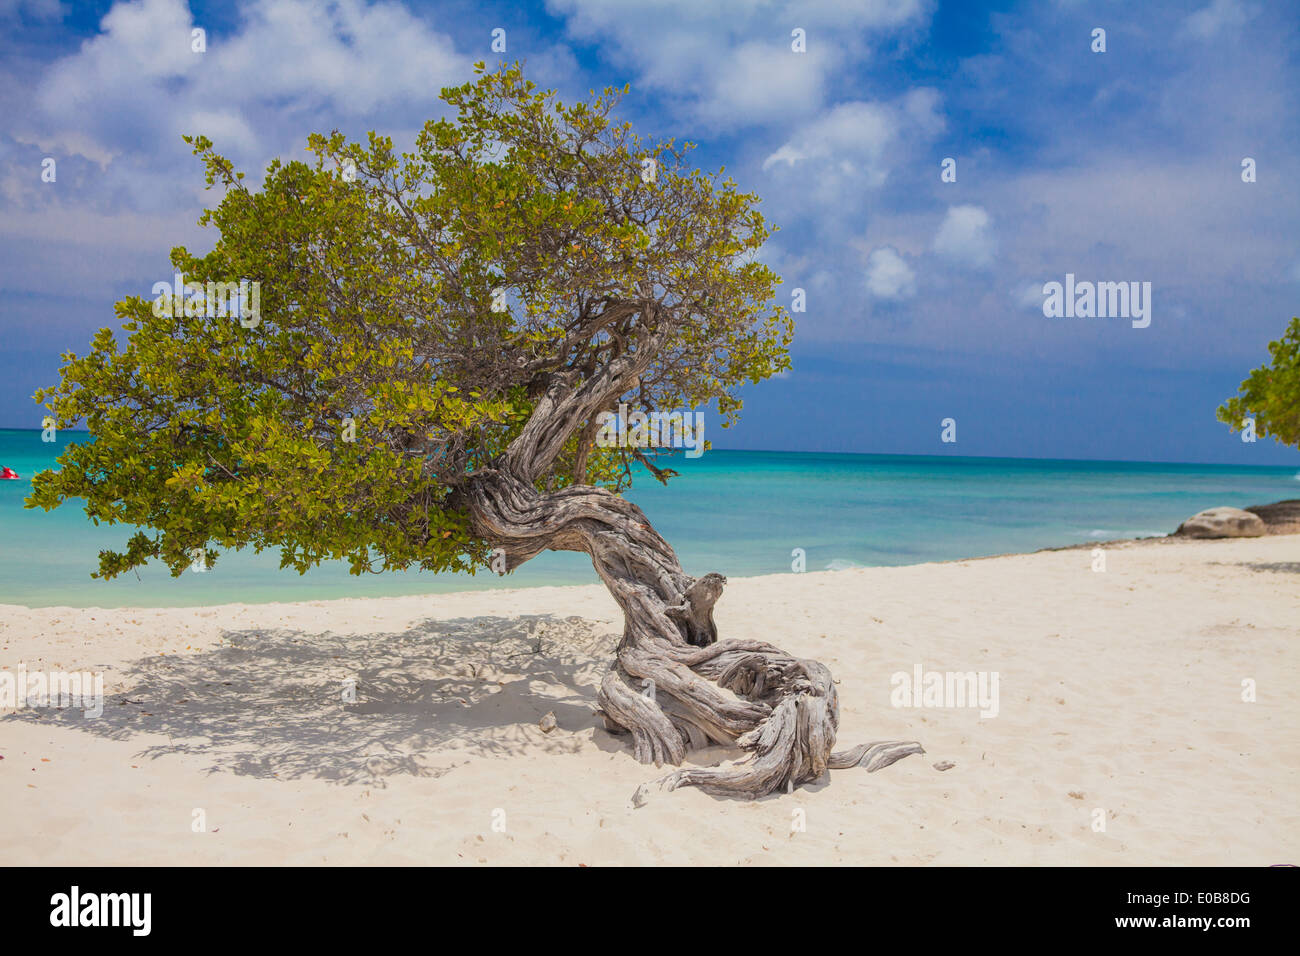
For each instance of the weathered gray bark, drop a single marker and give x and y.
(674, 686)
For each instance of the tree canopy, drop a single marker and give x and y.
(417, 312)
(1271, 395)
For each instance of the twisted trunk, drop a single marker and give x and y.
(674, 686)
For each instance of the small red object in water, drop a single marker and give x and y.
(8, 472)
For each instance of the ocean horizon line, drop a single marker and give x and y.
(904, 454)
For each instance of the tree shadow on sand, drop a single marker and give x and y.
(273, 702)
(1277, 567)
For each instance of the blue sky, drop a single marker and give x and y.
(924, 298)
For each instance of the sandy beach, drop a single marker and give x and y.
(1121, 698)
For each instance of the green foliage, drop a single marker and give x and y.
(379, 274)
(1272, 392)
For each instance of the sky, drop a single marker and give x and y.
(923, 292)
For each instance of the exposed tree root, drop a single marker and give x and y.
(674, 686)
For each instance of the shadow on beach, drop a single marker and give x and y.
(1280, 567)
(273, 702)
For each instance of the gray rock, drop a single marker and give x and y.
(548, 722)
(1222, 523)
(1281, 517)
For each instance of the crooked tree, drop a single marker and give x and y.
(436, 334)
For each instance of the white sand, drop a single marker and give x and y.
(1120, 692)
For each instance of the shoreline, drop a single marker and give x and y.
(1280, 518)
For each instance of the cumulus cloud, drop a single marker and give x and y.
(138, 85)
(964, 237)
(862, 129)
(888, 275)
(733, 63)
(856, 144)
(761, 80)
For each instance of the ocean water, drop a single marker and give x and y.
(739, 513)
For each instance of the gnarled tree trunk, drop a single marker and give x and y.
(674, 686)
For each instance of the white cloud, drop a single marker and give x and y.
(964, 237)
(732, 64)
(889, 276)
(225, 126)
(358, 56)
(1145, 216)
(860, 129)
(1029, 295)
(1220, 14)
(762, 80)
(139, 82)
(856, 144)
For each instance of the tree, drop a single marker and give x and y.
(436, 335)
(1271, 394)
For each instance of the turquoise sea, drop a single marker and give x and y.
(735, 512)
